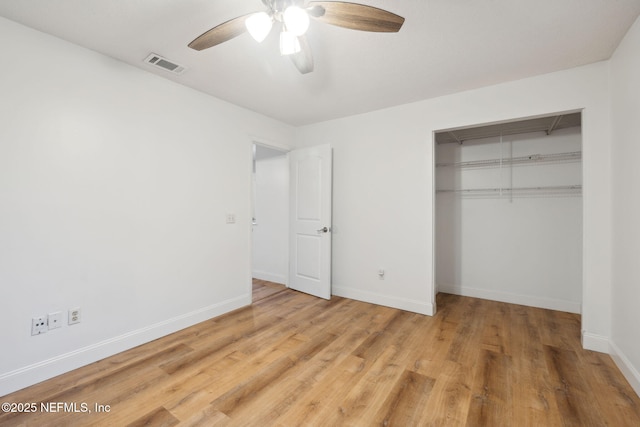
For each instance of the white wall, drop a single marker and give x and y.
(383, 187)
(625, 102)
(523, 249)
(114, 188)
(271, 232)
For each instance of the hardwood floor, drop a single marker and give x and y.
(292, 359)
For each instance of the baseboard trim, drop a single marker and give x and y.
(595, 342)
(270, 277)
(626, 367)
(386, 300)
(46, 369)
(530, 301)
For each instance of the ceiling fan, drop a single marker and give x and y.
(294, 17)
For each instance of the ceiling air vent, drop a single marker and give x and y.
(164, 63)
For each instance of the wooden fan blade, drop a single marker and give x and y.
(221, 33)
(303, 60)
(358, 16)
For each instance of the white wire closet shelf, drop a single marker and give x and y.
(572, 156)
(554, 190)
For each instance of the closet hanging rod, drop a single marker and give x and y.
(532, 158)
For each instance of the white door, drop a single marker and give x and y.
(310, 220)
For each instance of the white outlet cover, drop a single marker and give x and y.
(74, 316)
(38, 325)
(54, 320)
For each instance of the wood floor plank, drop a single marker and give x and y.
(224, 380)
(613, 389)
(496, 329)
(388, 360)
(208, 416)
(295, 388)
(159, 417)
(468, 336)
(570, 389)
(235, 399)
(127, 406)
(291, 359)
(491, 390)
(450, 397)
(394, 330)
(533, 395)
(405, 404)
(110, 389)
(326, 396)
(369, 392)
(431, 346)
(263, 289)
(190, 401)
(558, 329)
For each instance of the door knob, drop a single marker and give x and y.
(323, 230)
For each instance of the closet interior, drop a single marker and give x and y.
(509, 212)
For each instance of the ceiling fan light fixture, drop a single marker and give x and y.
(296, 19)
(293, 17)
(289, 43)
(259, 25)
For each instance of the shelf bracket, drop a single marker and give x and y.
(554, 123)
(454, 136)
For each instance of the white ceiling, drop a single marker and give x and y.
(445, 46)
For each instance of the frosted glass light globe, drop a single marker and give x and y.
(296, 20)
(289, 43)
(259, 25)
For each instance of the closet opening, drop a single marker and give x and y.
(508, 211)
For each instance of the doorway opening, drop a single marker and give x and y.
(270, 216)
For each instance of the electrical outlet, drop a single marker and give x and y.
(74, 316)
(54, 320)
(38, 325)
(231, 218)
